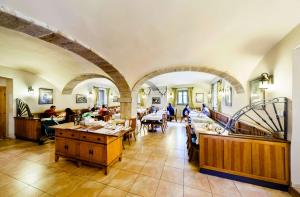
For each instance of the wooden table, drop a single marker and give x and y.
(152, 119)
(87, 144)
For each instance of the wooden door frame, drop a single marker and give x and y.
(4, 135)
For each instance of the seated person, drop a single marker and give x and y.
(152, 109)
(170, 109)
(205, 110)
(69, 115)
(103, 111)
(186, 111)
(50, 112)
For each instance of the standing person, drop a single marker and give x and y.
(69, 115)
(103, 111)
(205, 110)
(170, 109)
(50, 112)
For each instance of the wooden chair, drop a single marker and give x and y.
(174, 117)
(163, 123)
(192, 146)
(106, 118)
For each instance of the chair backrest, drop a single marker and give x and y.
(106, 118)
(132, 123)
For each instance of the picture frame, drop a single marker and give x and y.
(81, 98)
(45, 96)
(199, 97)
(228, 95)
(115, 99)
(256, 93)
(156, 100)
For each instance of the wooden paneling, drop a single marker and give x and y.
(27, 128)
(2, 112)
(258, 159)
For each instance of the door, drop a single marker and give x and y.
(60, 146)
(98, 153)
(71, 147)
(85, 150)
(2, 112)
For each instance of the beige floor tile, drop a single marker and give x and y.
(112, 192)
(172, 174)
(105, 179)
(196, 181)
(28, 192)
(191, 192)
(132, 195)
(145, 186)
(249, 190)
(88, 188)
(175, 162)
(12, 188)
(223, 186)
(4, 179)
(168, 189)
(158, 157)
(123, 180)
(134, 166)
(152, 169)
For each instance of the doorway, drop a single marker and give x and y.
(2, 112)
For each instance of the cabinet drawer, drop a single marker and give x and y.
(67, 134)
(92, 137)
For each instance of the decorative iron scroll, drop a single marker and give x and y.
(269, 115)
(23, 109)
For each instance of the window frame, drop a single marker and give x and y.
(182, 97)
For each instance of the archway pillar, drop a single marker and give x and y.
(126, 105)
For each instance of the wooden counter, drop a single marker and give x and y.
(87, 145)
(28, 128)
(256, 158)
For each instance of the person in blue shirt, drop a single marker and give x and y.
(170, 109)
(205, 110)
(186, 111)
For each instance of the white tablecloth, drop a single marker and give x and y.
(153, 116)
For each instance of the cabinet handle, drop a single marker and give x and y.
(60, 133)
(72, 135)
(92, 152)
(67, 147)
(98, 138)
(83, 137)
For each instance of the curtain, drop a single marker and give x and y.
(174, 92)
(107, 95)
(190, 95)
(96, 96)
(219, 95)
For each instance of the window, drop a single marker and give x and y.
(101, 98)
(182, 97)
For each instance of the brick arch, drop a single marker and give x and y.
(19, 24)
(239, 89)
(69, 87)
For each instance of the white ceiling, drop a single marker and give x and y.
(182, 78)
(139, 37)
(52, 63)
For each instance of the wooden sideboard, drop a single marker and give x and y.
(247, 157)
(88, 147)
(28, 128)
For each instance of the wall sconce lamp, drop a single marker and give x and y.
(264, 81)
(30, 90)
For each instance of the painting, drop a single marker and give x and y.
(115, 99)
(45, 96)
(155, 100)
(81, 98)
(256, 93)
(228, 95)
(199, 97)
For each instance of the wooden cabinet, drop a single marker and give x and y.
(252, 158)
(89, 148)
(28, 128)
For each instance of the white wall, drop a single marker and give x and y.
(163, 99)
(22, 80)
(295, 145)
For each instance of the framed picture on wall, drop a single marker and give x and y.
(228, 95)
(81, 98)
(256, 93)
(199, 97)
(115, 99)
(155, 100)
(45, 96)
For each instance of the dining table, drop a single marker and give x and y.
(154, 118)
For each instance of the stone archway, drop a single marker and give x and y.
(239, 89)
(16, 23)
(69, 87)
(237, 86)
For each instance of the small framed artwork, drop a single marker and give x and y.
(45, 96)
(199, 97)
(228, 95)
(155, 100)
(81, 98)
(256, 93)
(115, 99)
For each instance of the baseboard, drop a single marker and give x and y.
(246, 180)
(294, 192)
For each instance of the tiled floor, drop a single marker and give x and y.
(155, 165)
